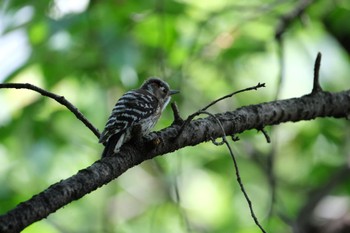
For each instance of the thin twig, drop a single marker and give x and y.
(259, 85)
(267, 137)
(190, 117)
(217, 143)
(176, 112)
(59, 99)
(316, 86)
(238, 176)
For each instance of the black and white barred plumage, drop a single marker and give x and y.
(136, 107)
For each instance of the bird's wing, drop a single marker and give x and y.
(132, 107)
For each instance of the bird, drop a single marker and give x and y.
(141, 107)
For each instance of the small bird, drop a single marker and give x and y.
(141, 107)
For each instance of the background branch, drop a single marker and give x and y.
(316, 195)
(287, 19)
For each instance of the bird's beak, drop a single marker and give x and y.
(173, 92)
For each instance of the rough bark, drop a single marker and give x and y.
(319, 104)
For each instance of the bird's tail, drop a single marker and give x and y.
(113, 145)
(108, 150)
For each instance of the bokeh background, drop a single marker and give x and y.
(93, 51)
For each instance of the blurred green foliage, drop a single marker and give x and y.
(91, 52)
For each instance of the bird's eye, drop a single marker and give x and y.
(163, 89)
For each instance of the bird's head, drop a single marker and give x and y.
(159, 89)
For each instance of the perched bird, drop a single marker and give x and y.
(141, 107)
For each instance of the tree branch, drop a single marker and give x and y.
(200, 111)
(316, 86)
(59, 99)
(287, 19)
(302, 222)
(238, 176)
(320, 104)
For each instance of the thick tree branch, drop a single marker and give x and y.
(320, 104)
